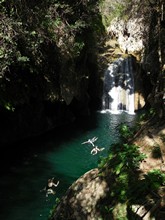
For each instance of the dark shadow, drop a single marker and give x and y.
(142, 193)
(21, 154)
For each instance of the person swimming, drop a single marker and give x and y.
(51, 183)
(95, 150)
(91, 141)
(49, 188)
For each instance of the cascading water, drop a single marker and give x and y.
(118, 89)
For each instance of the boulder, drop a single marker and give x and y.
(82, 200)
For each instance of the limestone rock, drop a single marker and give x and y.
(129, 34)
(82, 199)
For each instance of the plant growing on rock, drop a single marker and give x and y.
(128, 186)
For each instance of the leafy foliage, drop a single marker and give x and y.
(155, 179)
(57, 201)
(156, 152)
(114, 9)
(127, 186)
(8, 45)
(37, 37)
(147, 114)
(123, 160)
(125, 131)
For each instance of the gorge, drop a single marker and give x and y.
(64, 63)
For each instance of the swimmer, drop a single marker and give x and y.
(49, 187)
(91, 141)
(95, 150)
(51, 183)
(50, 191)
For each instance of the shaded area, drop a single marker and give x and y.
(48, 64)
(132, 194)
(80, 200)
(118, 189)
(30, 163)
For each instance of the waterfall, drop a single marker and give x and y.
(118, 88)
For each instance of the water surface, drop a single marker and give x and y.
(59, 154)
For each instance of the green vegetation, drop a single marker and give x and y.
(114, 9)
(155, 179)
(52, 211)
(38, 38)
(147, 115)
(128, 187)
(156, 152)
(125, 131)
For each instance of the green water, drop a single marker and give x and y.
(59, 154)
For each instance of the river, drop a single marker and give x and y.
(59, 154)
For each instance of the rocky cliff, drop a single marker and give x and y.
(48, 69)
(137, 29)
(141, 34)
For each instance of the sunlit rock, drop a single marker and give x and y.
(83, 198)
(129, 34)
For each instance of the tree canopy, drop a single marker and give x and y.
(36, 36)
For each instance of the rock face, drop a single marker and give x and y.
(82, 199)
(140, 34)
(130, 34)
(127, 35)
(44, 103)
(111, 55)
(141, 39)
(131, 38)
(85, 199)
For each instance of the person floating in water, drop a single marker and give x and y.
(49, 187)
(95, 150)
(91, 141)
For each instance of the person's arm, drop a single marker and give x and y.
(56, 184)
(98, 149)
(93, 151)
